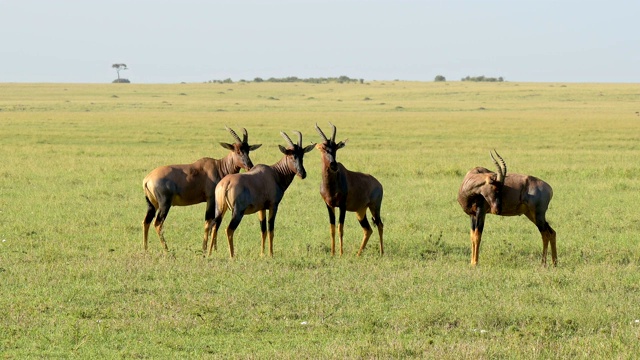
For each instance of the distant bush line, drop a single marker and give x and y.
(343, 79)
(292, 79)
(483, 78)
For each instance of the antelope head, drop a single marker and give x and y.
(295, 154)
(240, 149)
(329, 147)
(493, 185)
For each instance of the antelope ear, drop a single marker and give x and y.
(282, 149)
(342, 144)
(227, 146)
(309, 148)
(254, 147)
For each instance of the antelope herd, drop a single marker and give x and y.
(189, 184)
(258, 190)
(220, 184)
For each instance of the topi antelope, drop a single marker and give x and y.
(348, 191)
(258, 190)
(189, 184)
(484, 191)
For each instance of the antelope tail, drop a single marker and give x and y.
(222, 199)
(148, 193)
(226, 200)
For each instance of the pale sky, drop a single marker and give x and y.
(172, 41)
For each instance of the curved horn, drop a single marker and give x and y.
(299, 138)
(287, 138)
(233, 133)
(321, 133)
(245, 136)
(333, 136)
(501, 171)
(504, 165)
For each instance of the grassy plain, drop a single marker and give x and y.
(76, 283)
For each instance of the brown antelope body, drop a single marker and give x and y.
(485, 191)
(348, 191)
(258, 190)
(189, 184)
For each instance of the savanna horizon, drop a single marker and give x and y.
(77, 281)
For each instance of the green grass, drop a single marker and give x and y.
(76, 283)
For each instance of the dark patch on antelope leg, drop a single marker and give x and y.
(552, 240)
(151, 213)
(343, 212)
(233, 225)
(365, 224)
(235, 221)
(480, 215)
(362, 218)
(332, 228)
(210, 213)
(332, 215)
(477, 225)
(548, 236)
(263, 230)
(214, 236)
(378, 223)
(160, 218)
(272, 226)
(263, 225)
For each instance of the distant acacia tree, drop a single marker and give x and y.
(119, 67)
(440, 78)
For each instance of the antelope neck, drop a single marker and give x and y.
(227, 166)
(284, 174)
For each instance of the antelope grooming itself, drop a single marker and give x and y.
(348, 191)
(189, 184)
(258, 190)
(484, 191)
